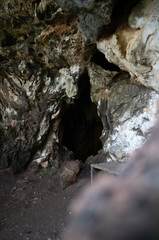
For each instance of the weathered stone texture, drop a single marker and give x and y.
(42, 56)
(93, 15)
(47, 67)
(68, 172)
(134, 48)
(134, 45)
(127, 110)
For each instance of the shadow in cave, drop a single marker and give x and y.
(8, 40)
(120, 14)
(99, 59)
(81, 126)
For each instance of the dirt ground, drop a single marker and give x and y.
(34, 206)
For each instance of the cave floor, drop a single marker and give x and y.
(34, 206)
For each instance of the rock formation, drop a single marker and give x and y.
(78, 74)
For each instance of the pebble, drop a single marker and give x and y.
(16, 189)
(13, 189)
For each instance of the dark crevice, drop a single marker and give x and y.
(99, 59)
(81, 127)
(2, 58)
(120, 14)
(9, 40)
(122, 10)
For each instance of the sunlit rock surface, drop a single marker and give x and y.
(134, 45)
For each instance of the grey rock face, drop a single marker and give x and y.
(130, 121)
(128, 111)
(93, 15)
(90, 26)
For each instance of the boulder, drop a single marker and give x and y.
(68, 172)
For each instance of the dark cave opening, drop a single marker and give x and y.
(99, 59)
(81, 126)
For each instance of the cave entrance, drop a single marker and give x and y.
(81, 126)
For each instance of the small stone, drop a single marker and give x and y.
(68, 172)
(19, 189)
(13, 189)
(44, 164)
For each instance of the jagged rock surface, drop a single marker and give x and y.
(134, 45)
(42, 56)
(127, 110)
(48, 71)
(134, 48)
(93, 15)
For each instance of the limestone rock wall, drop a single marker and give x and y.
(47, 53)
(134, 45)
(42, 55)
(134, 48)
